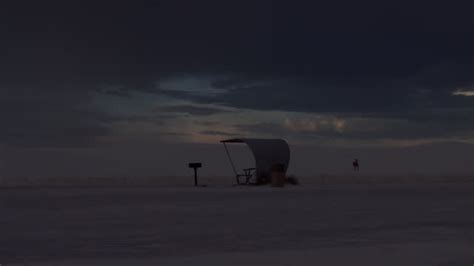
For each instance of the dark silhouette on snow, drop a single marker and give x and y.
(355, 164)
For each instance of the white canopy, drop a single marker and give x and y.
(267, 153)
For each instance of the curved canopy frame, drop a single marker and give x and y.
(267, 153)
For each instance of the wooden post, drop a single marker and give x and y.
(195, 177)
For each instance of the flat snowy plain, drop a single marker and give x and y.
(363, 224)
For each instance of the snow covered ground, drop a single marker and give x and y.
(364, 224)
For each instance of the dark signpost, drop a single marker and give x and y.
(195, 166)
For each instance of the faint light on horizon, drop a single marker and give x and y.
(315, 125)
(466, 93)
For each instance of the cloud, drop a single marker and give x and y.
(191, 110)
(216, 133)
(466, 93)
(315, 125)
(49, 118)
(352, 130)
(207, 123)
(265, 56)
(116, 91)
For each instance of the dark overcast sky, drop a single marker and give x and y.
(110, 74)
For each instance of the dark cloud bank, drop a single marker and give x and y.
(395, 61)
